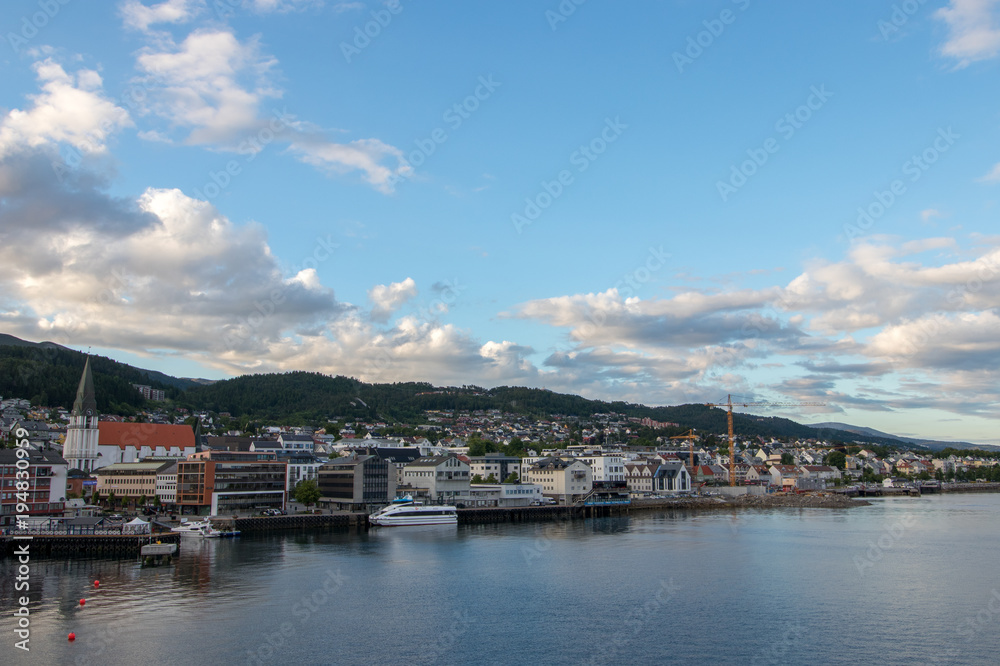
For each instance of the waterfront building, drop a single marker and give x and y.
(605, 466)
(503, 494)
(46, 492)
(639, 477)
(302, 466)
(563, 479)
(130, 480)
(356, 481)
(166, 485)
(784, 476)
(440, 478)
(224, 482)
(497, 464)
(671, 476)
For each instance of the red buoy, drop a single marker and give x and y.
(97, 583)
(83, 601)
(71, 636)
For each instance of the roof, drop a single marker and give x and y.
(10, 457)
(86, 399)
(134, 467)
(285, 437)
(431, 461)
(152, 435)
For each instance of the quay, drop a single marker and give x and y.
(70, 546)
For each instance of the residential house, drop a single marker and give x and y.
(564, 479)
(441, 478)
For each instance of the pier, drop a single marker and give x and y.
(70, 546)
(257, 524)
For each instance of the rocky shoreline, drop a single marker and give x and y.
(811, 500)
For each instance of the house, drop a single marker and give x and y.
(605, 466)
(821, 472)
(563, 479)
(639, 477)
(291, 442)
(758, 475)
(495, 464)
(702, 475)
(671, 476)
(784, 476)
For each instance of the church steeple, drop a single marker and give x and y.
(86, 400)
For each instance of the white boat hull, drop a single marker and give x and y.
(400, 521)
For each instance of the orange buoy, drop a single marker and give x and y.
(97, 583)
(71, 636)
(83, 601)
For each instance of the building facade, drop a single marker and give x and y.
(81, 446)
(564, 479)
(129, 480)
(356, 481)
(43, 492)
(227, 482)
(441, 478)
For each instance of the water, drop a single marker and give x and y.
(904, 581)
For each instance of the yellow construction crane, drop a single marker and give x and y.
(729, 417)
(690, 437)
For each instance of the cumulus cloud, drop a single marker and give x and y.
(71, 108)
(139, 16)
(217, 90)
(973, 30)
(386, 299)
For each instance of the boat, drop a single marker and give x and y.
(202, 529)
(404, 511)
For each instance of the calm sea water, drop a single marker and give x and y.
(904, 581)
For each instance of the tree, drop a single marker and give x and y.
(491, 478)
(477, 478)
(156, 501)
(787, 459)
(836, 459)
(307, 492)
(512, 478)
(477, 446)
(142, 500)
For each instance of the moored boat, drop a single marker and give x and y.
(407, 512)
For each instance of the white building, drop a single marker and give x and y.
(504, 494)
(566, 479)
(605, 466)
(444, 478)
(166, 485)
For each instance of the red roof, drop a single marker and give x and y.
(145, 434)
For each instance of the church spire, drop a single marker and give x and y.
(86, 399)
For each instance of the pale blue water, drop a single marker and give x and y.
(781, 586)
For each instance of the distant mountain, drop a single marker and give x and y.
(932, 444)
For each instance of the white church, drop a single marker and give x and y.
(92, 444)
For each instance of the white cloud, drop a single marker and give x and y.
(282, 6)
(386, 299)
(69, 109)
(973, 30)
(993, 176)
(139, 17)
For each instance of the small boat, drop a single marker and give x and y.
(202, 529)
(404, 511)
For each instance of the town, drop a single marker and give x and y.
(86, 472)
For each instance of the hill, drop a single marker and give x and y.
(48, 375)
(931, 444)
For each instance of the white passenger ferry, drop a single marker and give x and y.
(405, 511)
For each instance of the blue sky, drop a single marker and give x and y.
(662, 202)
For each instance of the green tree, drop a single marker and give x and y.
(491, 479)
(478, 446)
(787, 459)
(836, 459)
(477, 478)
(142, 500)
(307, 492)
(512, 478)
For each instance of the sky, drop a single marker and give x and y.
(658, 202)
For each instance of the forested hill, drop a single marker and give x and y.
(48, 375)
(312, 397)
